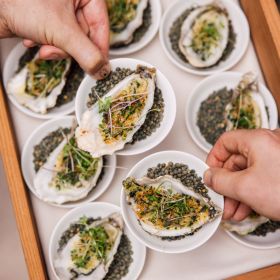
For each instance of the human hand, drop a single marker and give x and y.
(245, 168)
(79, 28)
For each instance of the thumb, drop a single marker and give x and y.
(76, 43)
(224, 182)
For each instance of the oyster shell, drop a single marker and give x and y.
(166, 208)
(69, 174)
(247, 108)
(246, 226)
(204, 35)
(83, 258)
(114, 119)
(39, 83)
(125, 17)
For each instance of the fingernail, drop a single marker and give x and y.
(103, 72)
(207, 177)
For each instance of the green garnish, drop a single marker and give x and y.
(163, 207)
(121, 12)
(121, 113)
(94, 244)
(44, 76)
(74, 164)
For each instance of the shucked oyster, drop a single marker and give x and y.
(114, 119)
(166, 208)
(68, 175)
(89, 253)
(39, 83)
(247, 108)
(247, 225)
(125, 17)
(204, 35)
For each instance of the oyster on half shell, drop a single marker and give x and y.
(90, 252)
(247, 225)
(115, 118)
(247, 108)
(39, 83)
(69, 173)
(164, 207)
(125, 17)
(204, 35)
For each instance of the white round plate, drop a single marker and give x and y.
(208, 86)
(10, 67)
(169, 109)
(240, 26)
(27, 165)
(177, 246)
(270, 241)
(95, 210)
(147, 37)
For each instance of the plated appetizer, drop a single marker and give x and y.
(116, 117)
(39, 86)
(63, 173)
(203, 35)
(230, 109)
(168, 206)
(126, 112)
(91, 242)
(129, 21)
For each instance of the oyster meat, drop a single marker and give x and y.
(247, 225)
(164, 207)
(247, 108)
(114, 119)
(69, 174)
(125, 17)
(204, 35)
(38, 84)
(90, 252)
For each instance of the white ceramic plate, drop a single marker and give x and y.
(147, 37)
(270, 241)
(27, 165)
(11, 65)
(239, 22)
(169, 109)
(95, 210)
(189, 242)
(208, 86)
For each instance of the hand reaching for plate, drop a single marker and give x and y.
(245, 168)
(79, 28)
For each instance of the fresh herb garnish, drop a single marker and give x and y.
(44, 76)
(121, 12)
(163, 207)
(94, 243)
(74, 164)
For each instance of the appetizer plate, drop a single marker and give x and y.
(240, 26)
(176, 246)
(211, 84)
(10, 67)
(270, 241)
(27, 165)
(169, 110)
(147, 37)
(95, 210)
